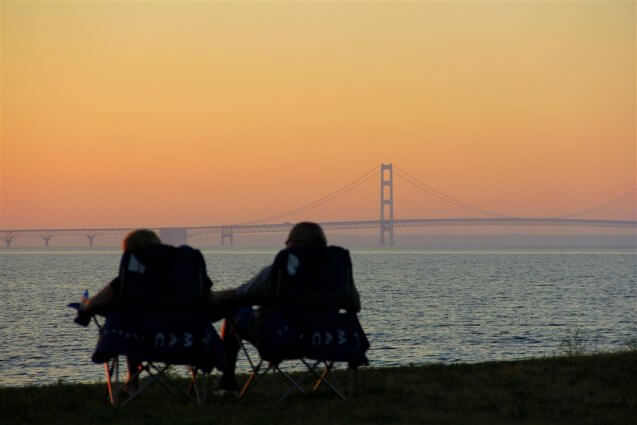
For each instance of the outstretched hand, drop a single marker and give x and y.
(83, 318)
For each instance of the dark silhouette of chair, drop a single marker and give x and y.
(161, 319)
(314, 321)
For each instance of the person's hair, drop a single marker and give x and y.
(140, 238)
(306, 234)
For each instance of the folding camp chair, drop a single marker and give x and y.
(161, 320)
(157, 371)
(311, 324)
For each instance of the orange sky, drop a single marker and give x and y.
(199, 113)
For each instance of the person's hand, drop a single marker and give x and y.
(83, 318)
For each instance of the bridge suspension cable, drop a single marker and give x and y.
(323, 200)
(605, 205)
(437, 194)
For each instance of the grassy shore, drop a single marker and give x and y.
(588, 389)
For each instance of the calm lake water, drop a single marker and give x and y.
(418, 306)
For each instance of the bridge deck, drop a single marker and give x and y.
(332, 225)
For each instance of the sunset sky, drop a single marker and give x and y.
(166, 113)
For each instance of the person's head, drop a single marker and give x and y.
(140, 238)
(306, 234)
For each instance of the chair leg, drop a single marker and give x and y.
(254, 377)
(336, 387)
(323, 376)
(193, 386)
(109, 385)
(247, 385)
(245, 352)
(113, 387)
(199, 384)
(166, 382)
(141, 388)
(296, 385)
(156, 374)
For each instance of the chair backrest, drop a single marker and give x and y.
(313, 279)
(314, 316)
(162, 311)
(162, 279)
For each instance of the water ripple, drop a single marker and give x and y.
(418, 307)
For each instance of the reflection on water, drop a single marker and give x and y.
(418, 306)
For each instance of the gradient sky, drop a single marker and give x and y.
(164, 113)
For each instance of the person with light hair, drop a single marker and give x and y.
(108, 297)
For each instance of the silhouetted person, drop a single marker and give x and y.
(261, 291)
(107, 298)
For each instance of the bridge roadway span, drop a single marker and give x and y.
(46, 234)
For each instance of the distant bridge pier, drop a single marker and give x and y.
(386, 203)
(226, 232)
(90, 238)
(46, 241)
(8, 242)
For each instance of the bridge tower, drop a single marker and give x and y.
(46, 240)
(91, 238)
(386, 203)
(226, 232)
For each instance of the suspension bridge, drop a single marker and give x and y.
(386, 222)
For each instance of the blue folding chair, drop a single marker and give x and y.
(313, 323)
(161, 319)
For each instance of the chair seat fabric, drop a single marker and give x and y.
(319, 336)
(174, 339)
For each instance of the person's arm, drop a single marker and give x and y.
(221, 297)
(224, 301)
(217, 309)
(100, 302)
(257, 291)
(250, 293)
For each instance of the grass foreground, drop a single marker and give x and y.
(587, 389)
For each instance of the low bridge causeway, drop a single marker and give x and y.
(180, 235)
